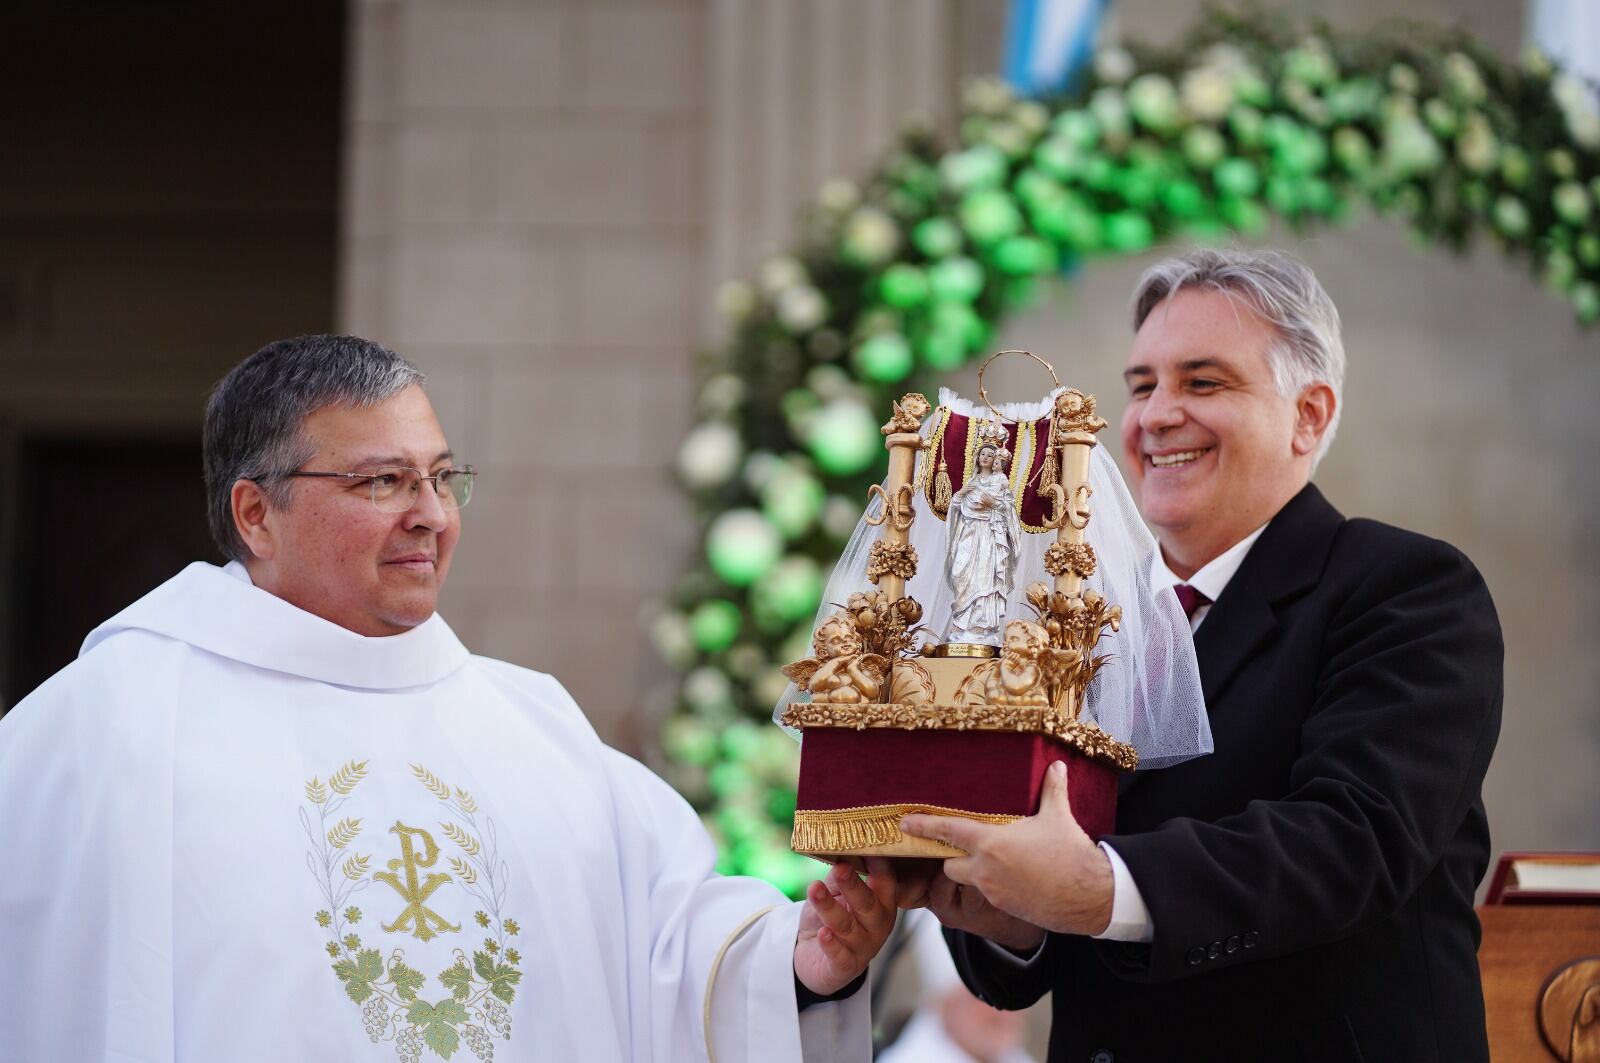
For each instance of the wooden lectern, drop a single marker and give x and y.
(1540, 958)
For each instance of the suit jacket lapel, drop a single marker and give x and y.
(1286, 561)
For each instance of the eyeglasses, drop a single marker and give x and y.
(394, 488)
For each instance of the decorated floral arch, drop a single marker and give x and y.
(905, 278)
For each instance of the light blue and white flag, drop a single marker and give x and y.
(1047, 41)
(1569, 32)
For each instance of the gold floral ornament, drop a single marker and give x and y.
(1074, 625)
(891, 559)
(1083, 735)
(1063, 557)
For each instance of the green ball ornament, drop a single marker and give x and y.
(1571, 201)
(956, 279)
(903, 286)
(1078, 128)
(1283, 195)
(792, 500)
(1441, 118)
(1059, 157)
(884, 358)
(843, 439)
(1562, 164)
(1353, 150)
(1515, 167)
(1022, 256)
(689, 740)
(1246, 123)
(792, 590)
(943, 350)
(960, 320)
(715, 623)
(1183, 198)
(1203, 147)
(1587, 248)
(1099, 173)
(1511, 217)
(1139, 185)
(1243, 215)
(983, 166)
(1128, 231)
(1560, 270)
(937, 237)
(990, 216)
(742, 546)
(1586, 301)
(1154, 103)
(1236, 177)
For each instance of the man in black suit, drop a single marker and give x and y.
(1305, 891)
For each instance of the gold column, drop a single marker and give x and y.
(893, 561)
(1072, 434)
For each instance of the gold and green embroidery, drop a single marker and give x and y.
(479, 986)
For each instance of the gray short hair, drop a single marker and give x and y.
(255, 416)
(1280, 288)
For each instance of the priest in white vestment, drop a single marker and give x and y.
(277, 812)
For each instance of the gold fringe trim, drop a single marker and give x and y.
(843, 829)
(1085, 737)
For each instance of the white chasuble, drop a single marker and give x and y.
(234, 831)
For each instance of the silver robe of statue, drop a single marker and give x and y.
(981, 557)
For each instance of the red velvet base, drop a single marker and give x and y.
(997, 772)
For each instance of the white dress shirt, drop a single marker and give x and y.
(1130, 917)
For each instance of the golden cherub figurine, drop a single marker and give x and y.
(839, 673)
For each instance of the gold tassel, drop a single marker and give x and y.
(1047, 474)
(941, 489)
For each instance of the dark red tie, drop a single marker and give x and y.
(1190, 599)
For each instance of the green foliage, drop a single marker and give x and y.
(359, 974)
(438, 1023)
(907, 275)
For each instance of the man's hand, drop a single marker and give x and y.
(844, 924)
(1044, 869)
(966, 908)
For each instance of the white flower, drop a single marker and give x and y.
(1462, 75)
(1113, 65)
(871, 235)
(673, 639)
(1476, 147)
(839, 195)
(801, 308)
(780, 272)
(710, 455)
(1110, 110)
(735, 300)
(721, 395)
(1208, 93)
(705, 687)
(1577, 104)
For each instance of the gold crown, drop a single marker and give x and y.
(993, 435)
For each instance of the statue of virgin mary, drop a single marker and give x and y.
(981, 550)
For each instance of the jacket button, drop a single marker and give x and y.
(1102, 1056)
(1250, 939)
(1214, 951)
(1233, 943)
(1196, 954)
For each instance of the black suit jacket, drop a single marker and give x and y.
(1311, 881)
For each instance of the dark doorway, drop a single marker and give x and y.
(169, 202)
(104, 521)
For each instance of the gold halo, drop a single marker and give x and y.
(983, 392)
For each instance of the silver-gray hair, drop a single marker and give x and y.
(1285, 293)
(256, 415)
